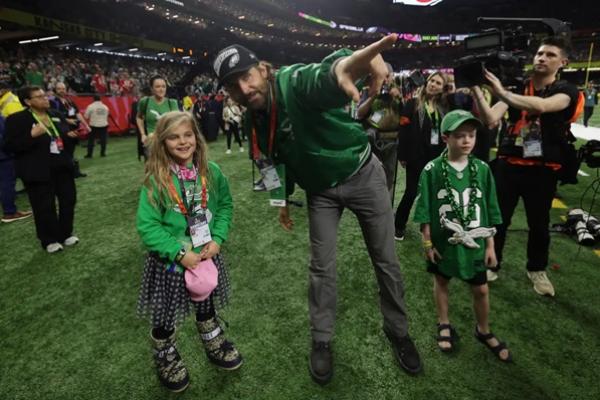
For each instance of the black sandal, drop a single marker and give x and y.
(483, 338)
(452, 339)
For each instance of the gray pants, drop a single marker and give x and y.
(386, 151)
(366, 195)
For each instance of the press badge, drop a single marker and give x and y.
(54, 146)
(269, 174)
(376, 117)
(435, 136)
(199, 231)
(532, 140)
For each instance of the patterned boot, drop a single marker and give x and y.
(219, 350)
(171, 370)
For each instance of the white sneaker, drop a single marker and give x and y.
(241, 149)
(71, 241)
(54, 247)
(491, 275)
(541, 283)
(228, 151)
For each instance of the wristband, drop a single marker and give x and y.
(427, 245)
(180, 255)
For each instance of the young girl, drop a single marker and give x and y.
(457, 209)
(183, 192)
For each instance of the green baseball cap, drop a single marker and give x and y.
(455, 118)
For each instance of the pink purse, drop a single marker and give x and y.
(202, 280)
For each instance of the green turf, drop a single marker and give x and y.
(68, 328)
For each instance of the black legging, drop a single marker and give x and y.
(162, 333)
(235, 130)
(413, 171)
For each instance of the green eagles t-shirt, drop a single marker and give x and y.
(153, 111)
(457, 260)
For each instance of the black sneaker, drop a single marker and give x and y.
(320, 364)
(399, 234)
(405, 352)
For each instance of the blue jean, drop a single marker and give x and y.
(8, 181)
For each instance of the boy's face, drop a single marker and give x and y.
(461, 141)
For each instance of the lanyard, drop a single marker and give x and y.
(52, 127)
(272, 127)
(182, 200)
(434, 116)
(529, 91)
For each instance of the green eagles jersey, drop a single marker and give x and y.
(457, 260)
(151, 111)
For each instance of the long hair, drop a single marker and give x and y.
(158, 166)
(439, 100)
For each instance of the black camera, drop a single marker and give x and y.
(410, 83)
(500, 52)
(503, 52)
(590, 153)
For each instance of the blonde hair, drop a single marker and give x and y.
(158, 166)
(438, 99)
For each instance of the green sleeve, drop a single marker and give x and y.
(173, 105)
(423, 207)
(494, 213)
(150, 226)
(316, 84)
(223, 212)
(142, 107)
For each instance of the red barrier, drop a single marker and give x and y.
(119, 111)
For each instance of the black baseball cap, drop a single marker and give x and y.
(232, 60)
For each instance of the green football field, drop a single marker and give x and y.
(68, 328)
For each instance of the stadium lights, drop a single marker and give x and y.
(98, 44)
(271, 25)
(175, 16)
(133, 49)
(185, 58)
(42, 39)
(161, 54)
(242, 17)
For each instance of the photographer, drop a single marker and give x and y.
(532, 153)
(419, 140)
(382, 123)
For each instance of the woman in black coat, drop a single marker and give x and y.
(419, 140)
(36, 136)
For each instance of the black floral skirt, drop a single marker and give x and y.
(164, 299)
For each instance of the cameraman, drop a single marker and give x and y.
(532, 151)
(381, 114)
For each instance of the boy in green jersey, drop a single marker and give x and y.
(457, 209)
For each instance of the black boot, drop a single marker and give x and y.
(321, 362)
(171, 370)
(219, 350)
(405, 352)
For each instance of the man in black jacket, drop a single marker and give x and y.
(36, 136)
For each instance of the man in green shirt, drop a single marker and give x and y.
(296, 119)
(33, 77)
